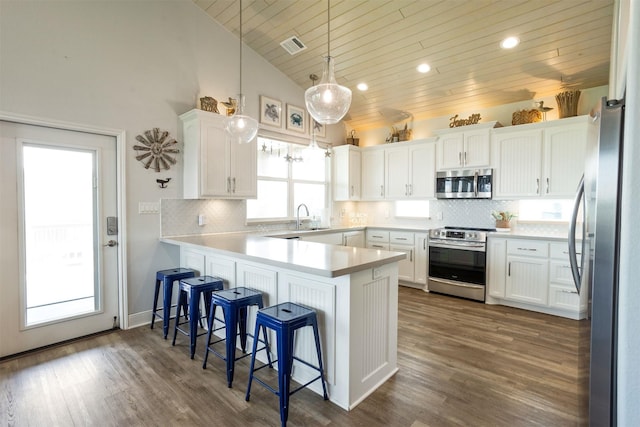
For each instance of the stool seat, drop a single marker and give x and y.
(234, 303)
(167, 278)
(285, 319)
(190, 291)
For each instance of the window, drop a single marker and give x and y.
(288, 175)
(545, 210)
(412, 208)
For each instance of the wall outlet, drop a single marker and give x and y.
(343, 212)
(202, 220)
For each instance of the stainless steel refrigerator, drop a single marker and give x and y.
(599, 195)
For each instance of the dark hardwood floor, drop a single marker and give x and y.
(462, 363)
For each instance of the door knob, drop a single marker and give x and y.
(111, 243)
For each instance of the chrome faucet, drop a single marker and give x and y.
(298, 214)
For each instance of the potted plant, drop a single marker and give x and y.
(503, 219)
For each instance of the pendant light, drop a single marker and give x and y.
(242, 128)
(328, 102)
(313, 144)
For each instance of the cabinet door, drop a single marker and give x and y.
(527, 280)
(451, 150)
(422, 170)
(565, 154)
(329, 238)
(421, 261)
(346, 173)
(496, 267)
(520, 164)
(243, 169)
(215, 176)
(354, 239)
(372, 174)
(405, 266)
(477, 151)
(396, 176)
(223, 268)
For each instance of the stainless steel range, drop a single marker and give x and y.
(457, 262)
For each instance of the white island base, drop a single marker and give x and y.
(357, 315)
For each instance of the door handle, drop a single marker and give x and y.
(111, 243)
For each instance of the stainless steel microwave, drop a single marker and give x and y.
(464, 184)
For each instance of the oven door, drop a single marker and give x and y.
(458, 263)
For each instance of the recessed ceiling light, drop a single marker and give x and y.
(509, 42)
(424, 68)
(363, 86)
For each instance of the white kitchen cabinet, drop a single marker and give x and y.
(346, 173)
(213, 165)
(464, 149)
(372, 173)
(353, 238)
(562, 290)
(400, 241)
(348, 238)
(540, 159)
(421, 258)
(410, 171)
(496, 267)
(377, 239)
(527, 271)
(517, 172)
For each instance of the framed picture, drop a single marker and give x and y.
(270, 111)
(318, 128)
(296, 119)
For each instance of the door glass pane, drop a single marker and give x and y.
(60, 225)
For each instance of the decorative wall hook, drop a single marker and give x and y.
(163, 182)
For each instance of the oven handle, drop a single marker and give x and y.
(478, 247)
(454, 283)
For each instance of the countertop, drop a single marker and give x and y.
(309, 257)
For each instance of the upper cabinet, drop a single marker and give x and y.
(346, 173)
(467, 147)
(373, 185)
(410, 170)
(213, 165)
(541, 159)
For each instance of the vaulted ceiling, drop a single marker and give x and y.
(564, 44)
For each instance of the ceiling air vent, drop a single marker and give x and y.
(293, 45)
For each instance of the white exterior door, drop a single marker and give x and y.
(59, 253)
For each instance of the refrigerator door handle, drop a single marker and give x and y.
(573, 259)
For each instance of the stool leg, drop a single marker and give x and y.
(242, 326)
(285, 358)
(212, 316)
(181, 295)
(231, 325)
(166, 306)
(194, 318)
(155, 303)
(317, 338)
(256, 337)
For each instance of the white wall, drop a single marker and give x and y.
(131, 65)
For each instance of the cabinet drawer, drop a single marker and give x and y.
(560, 273)
(561, 250)
(402, 238)
(377, 236)
(564, 297)
(376, 245)
(530, 248)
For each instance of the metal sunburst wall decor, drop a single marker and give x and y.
(157, 150)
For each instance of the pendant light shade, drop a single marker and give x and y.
(328, 102)
(240, 127)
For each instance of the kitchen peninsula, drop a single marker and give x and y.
(354, 290)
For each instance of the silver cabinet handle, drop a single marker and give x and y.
(465, 158)
(547, 185)
(234, 184)
(411, 189)
(352, 191)
(509, 272)
(377, 246)
(424, 244)
(411, 255)
(400, 238)
(382, 191)
(460, 158)
(228, 184)
(527, 249)
(537, 185)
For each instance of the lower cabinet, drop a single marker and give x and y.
(348, 238)
(533, 275)
(413, 270)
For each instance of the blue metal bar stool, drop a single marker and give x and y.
(166, 278)
(285, 319)
(234, 303)
(190, 291)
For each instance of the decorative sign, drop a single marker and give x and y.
(472, 120)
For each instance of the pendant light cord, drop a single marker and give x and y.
(240, 94)
(328, 29)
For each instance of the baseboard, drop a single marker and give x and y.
(139, 319)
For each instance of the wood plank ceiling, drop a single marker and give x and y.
(565, 44)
